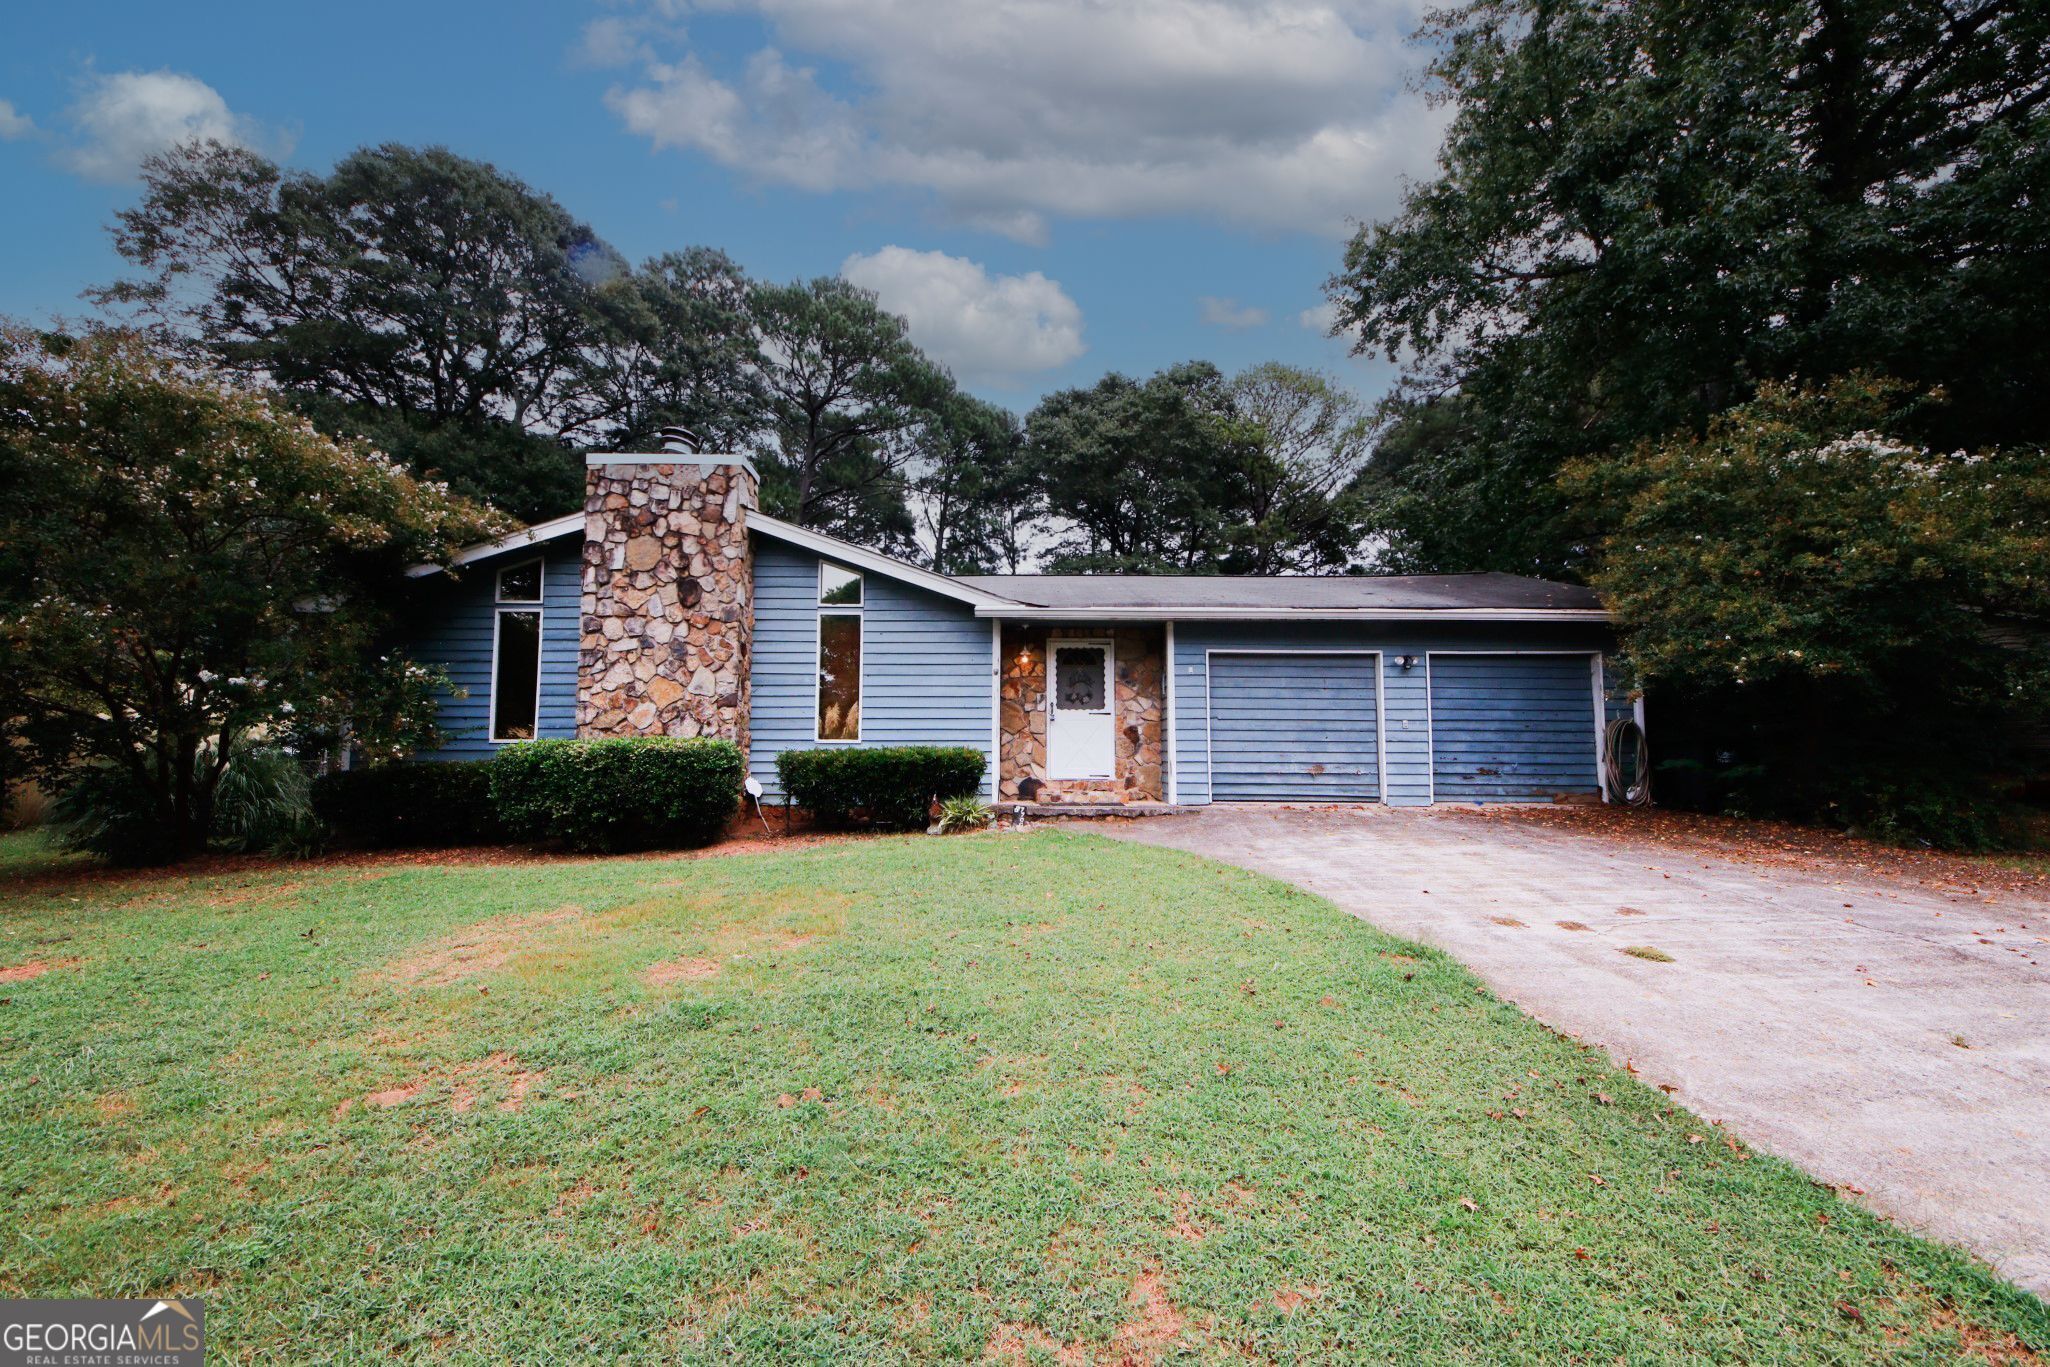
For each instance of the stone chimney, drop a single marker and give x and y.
(668, 605)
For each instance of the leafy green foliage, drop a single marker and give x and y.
(262, 802)
(965, 813)
(848, 395)
(1191, 472)
(1829, 592)
(390, 806)
(680, 349)
(265, 802)
(526, 475)
(973, 491)
(895, 785)
(621, 794)
(1647, 209)
(182, 565)
(103, 810)
(1302, 441)
(410, 280)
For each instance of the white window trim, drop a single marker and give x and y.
(859, 578)
(540, 584)
(818, 654)
(498, 615)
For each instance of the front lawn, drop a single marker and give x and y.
(1030, 1096)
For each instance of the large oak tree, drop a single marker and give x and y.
(1645, 210)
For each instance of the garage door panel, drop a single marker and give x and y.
(1507, 727)
(1294, 728)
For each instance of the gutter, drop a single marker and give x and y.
(1221, 614)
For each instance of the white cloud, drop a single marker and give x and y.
(14, 124)
(1287, 114)
(128, 115)
(1229, 314)
(988, 328)
(1319, 319)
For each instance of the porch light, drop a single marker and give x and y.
(1406, 662)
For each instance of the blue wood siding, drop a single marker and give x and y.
(927, 667)
(1512, 727)
(457, 618)
(1405, 693)
(1294, 727)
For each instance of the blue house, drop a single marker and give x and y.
(671, 605)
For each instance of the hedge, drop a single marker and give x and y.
(895, 785)
(623, 794)
(430, 803)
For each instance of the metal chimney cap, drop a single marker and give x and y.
(679, 441)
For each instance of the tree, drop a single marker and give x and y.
(408, 285)
(1826, 595)
(1304, 443)
(847, 397)
(973, 492)
(1646, 210)
(182, 564)
(680, 350)
(1131, 472)
(1188, 472)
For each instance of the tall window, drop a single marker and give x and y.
(516, 653)
(839, 654)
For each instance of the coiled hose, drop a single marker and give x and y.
(1636, 792)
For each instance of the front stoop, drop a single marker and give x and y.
(1093, 810)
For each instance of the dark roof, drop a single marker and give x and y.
(1287, 593)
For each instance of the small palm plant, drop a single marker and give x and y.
(965, 813)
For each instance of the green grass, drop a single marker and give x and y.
(927, 1098)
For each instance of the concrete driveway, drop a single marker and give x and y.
(1890, 1038)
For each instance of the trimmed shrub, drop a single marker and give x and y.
(626, 794)
(895, 785)
(430, 802)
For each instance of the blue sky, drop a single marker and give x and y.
(1048, 189)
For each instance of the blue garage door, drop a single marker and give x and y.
(1294, 728)
(1509, 727)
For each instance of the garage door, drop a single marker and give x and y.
(1300, 728)
(1506, 727)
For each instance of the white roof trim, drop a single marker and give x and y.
(1268, 614)
(848, 553)
(525, 536)
(988, 604)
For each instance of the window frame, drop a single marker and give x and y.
(860, 587)
(498, 617)
(502, 606)
(824, 610)
(540, 583)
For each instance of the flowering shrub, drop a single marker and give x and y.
(1845, 616)
(182, 565)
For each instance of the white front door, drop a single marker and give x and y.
(1081, 705)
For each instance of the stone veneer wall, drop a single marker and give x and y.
(668, 610)
(1140, 728)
